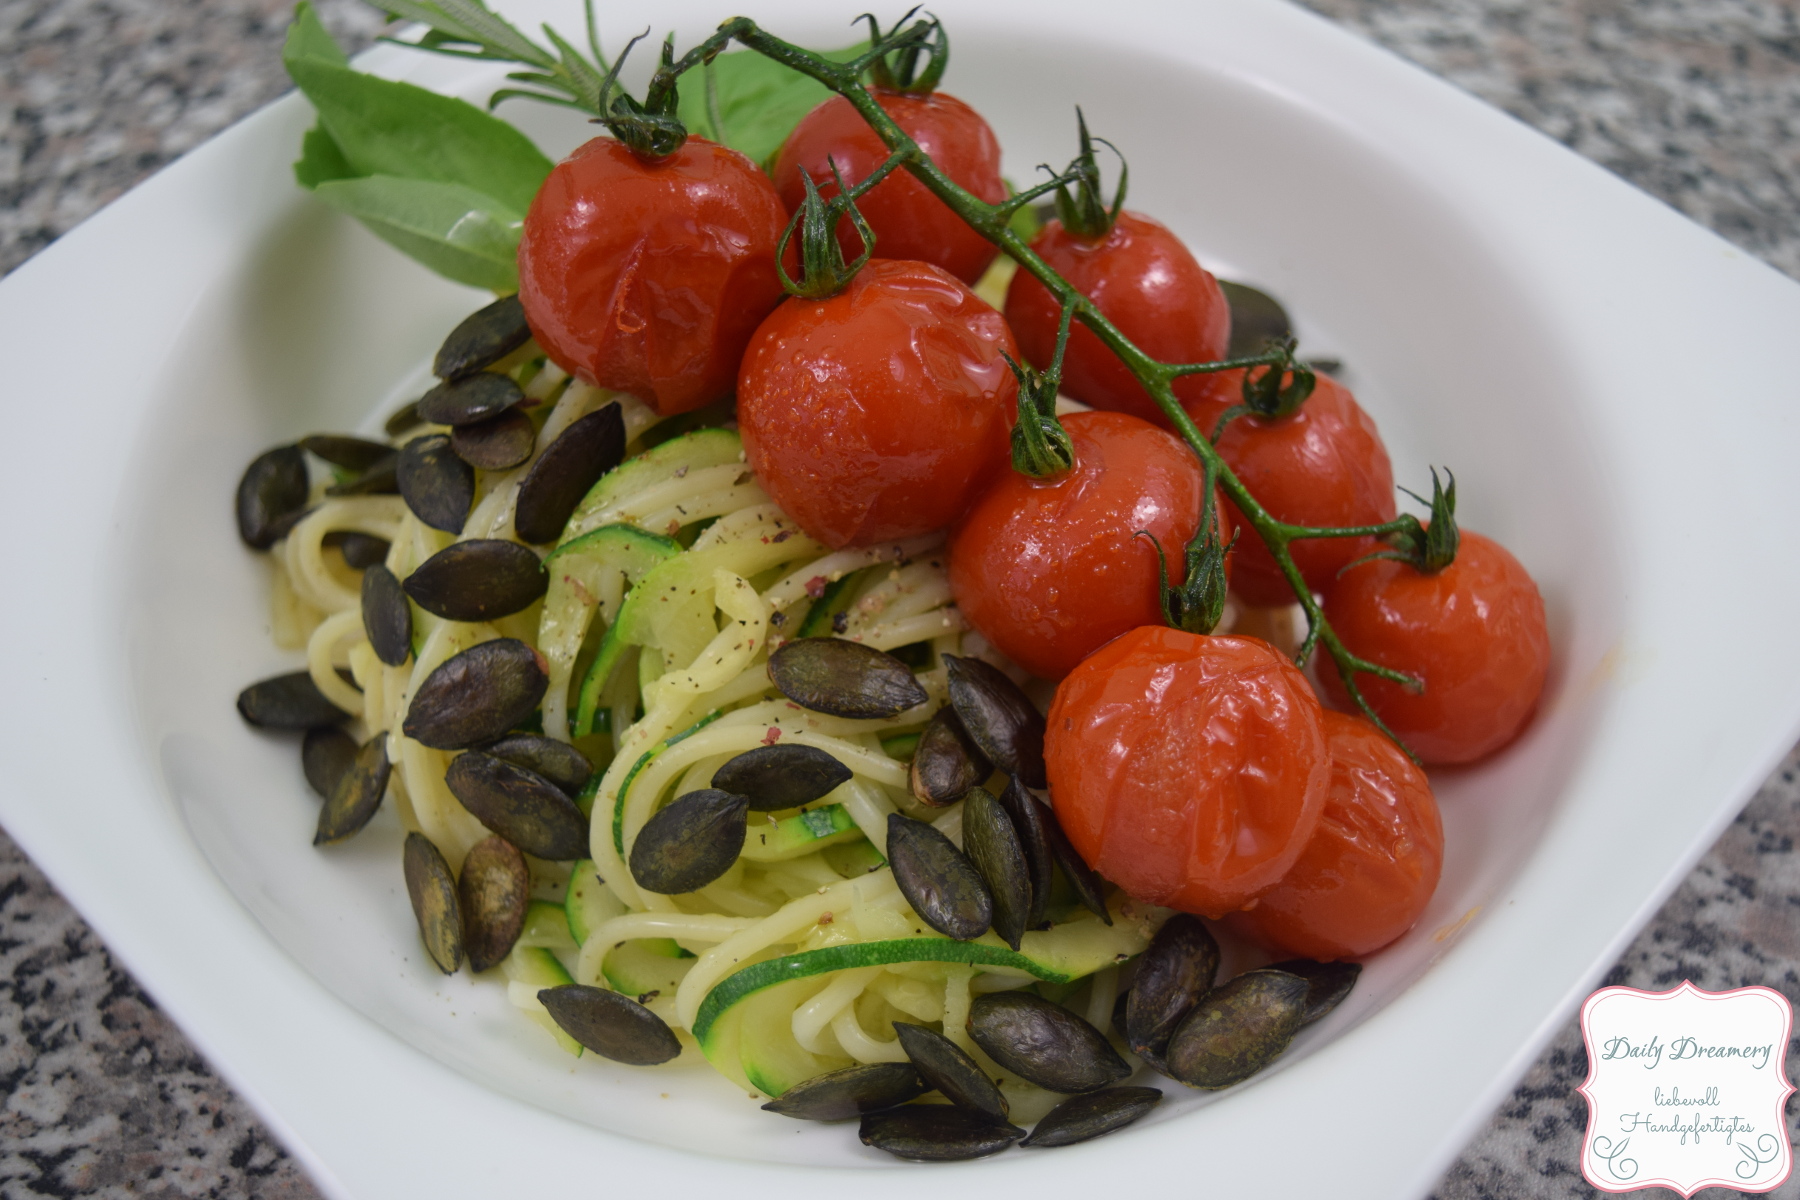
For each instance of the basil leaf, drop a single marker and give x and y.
(458, 232)
(307, 38)
(320, 160)
(759, 100)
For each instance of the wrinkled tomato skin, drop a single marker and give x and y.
(1145, 282)
(1049, 570)
(1190, 770)
(1369, 869)
(907, 220)
(881, 412)
(1325, 465)
(1475, 632)
(649, 278)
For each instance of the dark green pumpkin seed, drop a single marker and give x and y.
(946, 763)
(565, 471)
(948, 1069)
(360, 550)
(999, 717)
(382, 479)
(497, 444)
(386, 616)
(406, 417)
(273, 490)
(1089, 887)
(1172, 975)
(1044, 1043)
(851, 1092)
(483, 338)
(938, 880)
(559, 762)
(351, 453)
(469, 400)
(1032, 822)
(358, 794)
(690, 842)
(936, 1133)
(1081, 1118)
(477, 695)
(432, 890)
(1257, 319)
(521, 806)
(493, 893)
(1327, 983)
(478, 580)
(325, 754)
(290, 701)
(992, 844)
(785, 775)
(1237, 1029)
(844, 679)
(437, 485)
(611, 1025)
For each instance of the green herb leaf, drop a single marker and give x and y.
(759, 101)
(320, 160)
(458, 232)
(308, 40)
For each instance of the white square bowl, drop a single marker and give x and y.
(1608, 380)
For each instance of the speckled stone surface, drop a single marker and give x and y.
(1697, 101)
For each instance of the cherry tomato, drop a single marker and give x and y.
(1371, 866)
(880, 412)
(1474, 632)
(1325, 465)
(1188, 770)
(649, 278)
(1144, 281)
(908, 221)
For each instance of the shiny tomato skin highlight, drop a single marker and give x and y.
(649, 278)
(1475, 632)
(1190, 770)
(1370, 868)
(1146, 282)
(907, 220)
(881, 412)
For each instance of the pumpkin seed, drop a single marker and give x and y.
(936, 1133)
(786, 775)
(360, 550)
(992, 844)
(290, 701)
(436, 485)
(946, 763)
(611, 1025)
(1257, 319)
(938, 880)
(851, 1092)
(358, 794)
(559, 762)
(690, 842)
(1032, 821)
(274, 488)
(948, 1069)
(498, 444)
(1044, 1043)
(493, 892)
(386, 616)
(565, 471)
(325, 754)
(482, 338)
(1089, 887)
(1172, 976)
(469, 399)
(477, 696)
(351, 453)
(1000, 718)
(478, 580)
(1327, 983)
(521, 806)
(404, 418)
(432, 890)
(844, 679)
(1081, 1118)
(382, 479)
(1237, 1029)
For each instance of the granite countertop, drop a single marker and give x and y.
(1696, 101)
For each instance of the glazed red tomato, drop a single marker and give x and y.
(881, 412)
(1145, 282)
(1325, 465)
(1370, 868)
(649, 278)
(907, 220)
(1189, 770)
(1474, 632)
(1049, 570)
